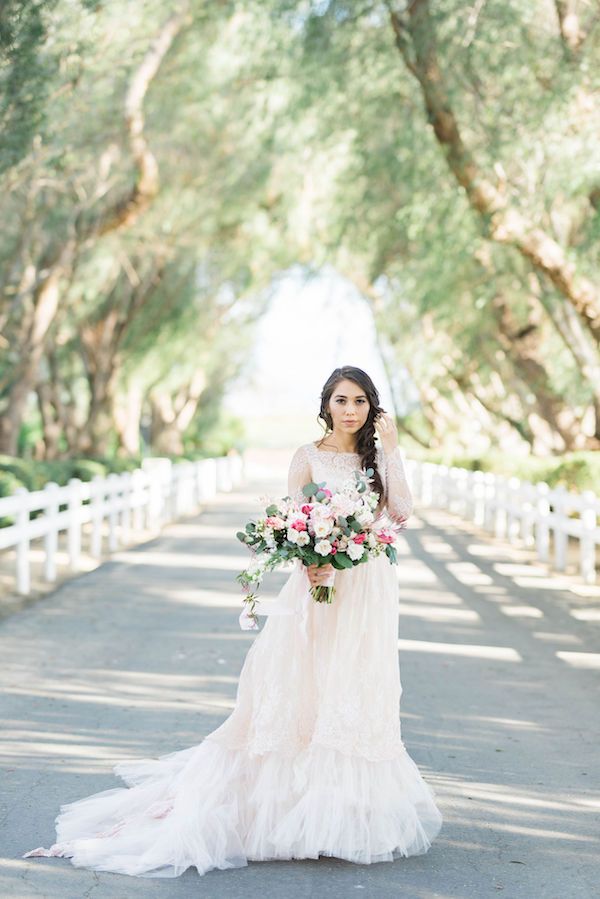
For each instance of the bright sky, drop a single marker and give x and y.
(310, 329)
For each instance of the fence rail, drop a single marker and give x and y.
(516, 510)
(115, 507)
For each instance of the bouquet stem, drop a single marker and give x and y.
(322, 593)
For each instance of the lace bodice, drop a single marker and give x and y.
(312, 464)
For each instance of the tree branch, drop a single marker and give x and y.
(415, 38)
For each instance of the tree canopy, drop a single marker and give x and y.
(161, 163)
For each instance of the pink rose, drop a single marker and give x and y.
(326, 491)
(334, 547)
(360, 538)
(275, 522)
(299, 525)
(385, 538)
(306, 508)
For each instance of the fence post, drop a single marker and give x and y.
(159, 472)
(97, 502)
(478, 486)
(74, 522)
(513, 517)
(223, 474)
(559, 501)
(200, 482)
(489, 479)
(542, 529)
(209, 468)
(113, 487)
(501, 507)
(527, 513)
(22, 522)
(137, 486)
(126, 500)
(51, 535)
(587, 540)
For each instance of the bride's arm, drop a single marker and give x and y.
(299, 472)
(398, 497)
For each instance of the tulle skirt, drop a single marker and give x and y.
(310, 762)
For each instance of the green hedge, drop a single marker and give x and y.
(9, 483)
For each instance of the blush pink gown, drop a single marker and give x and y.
(310, 762)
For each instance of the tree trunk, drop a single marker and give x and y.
(51, 425)
(584, 353)
(128, 415)
(38, 315)
(172, 414)
(521, 346)
(569, 24)
(30, 336)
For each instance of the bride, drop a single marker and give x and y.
(311, 761)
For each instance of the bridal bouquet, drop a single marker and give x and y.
(324, 528)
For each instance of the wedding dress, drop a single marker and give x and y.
(310, 762)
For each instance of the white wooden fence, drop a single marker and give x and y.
(115, 507)
(516, 510)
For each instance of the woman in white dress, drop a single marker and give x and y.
(311, 761)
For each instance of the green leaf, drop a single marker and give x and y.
(342, 521)
(241, 535)
(391, 553)
(369, 472)
(271, 510)
(310, 557)
(341, 560)
(356, 526)
(320, 495)
(309, 489)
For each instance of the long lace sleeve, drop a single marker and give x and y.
(398, 497)
(299, 472)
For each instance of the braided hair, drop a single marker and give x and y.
(365, 438)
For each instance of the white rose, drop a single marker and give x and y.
(365, 517)
(303, 538)
(321, 513)
(372, 540)
(323, 547)
(293, 534)
(322, 527)
(342, 505)
(354, 550)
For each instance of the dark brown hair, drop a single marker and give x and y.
(365, 439)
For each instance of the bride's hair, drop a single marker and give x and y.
(365, 439)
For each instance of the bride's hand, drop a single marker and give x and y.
(387, 430)
(317, 574)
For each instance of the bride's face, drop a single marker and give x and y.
(349, 407)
